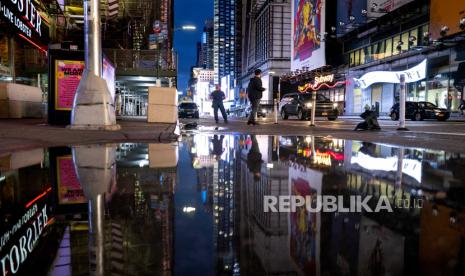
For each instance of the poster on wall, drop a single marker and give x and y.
(69, 188)
(445, 13)
(377, 8)
(108, 73)
(68, 74)
(308, 26)
(304, 225)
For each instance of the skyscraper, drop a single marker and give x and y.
(225, 39)
(205, 47)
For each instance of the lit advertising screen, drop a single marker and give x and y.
(445, 13)
(308, 27)
(377, 8)
(108, 73)
(68, 74)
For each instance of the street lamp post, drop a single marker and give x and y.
(93, 106)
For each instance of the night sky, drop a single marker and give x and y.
(193, 12)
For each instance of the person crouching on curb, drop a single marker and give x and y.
(217, 98)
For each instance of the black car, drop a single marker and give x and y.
(300, 105)
(417, 111)
(186, 110)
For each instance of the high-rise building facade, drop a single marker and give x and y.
(226, 40)
(205, 50)
(265, 43)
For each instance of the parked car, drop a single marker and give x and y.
(300, 105)
(188, 109)
(263, 110)
(418, 111)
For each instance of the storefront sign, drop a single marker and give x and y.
(18, 242)
(323, 79)
(23, 16)
(414, 74)
(68, 75)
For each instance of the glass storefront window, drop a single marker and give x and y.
(388, 47)
(379, 50)
(395, 43)
(352, 59)
(362, 56)
(414, 33)
(404, 39)
(357, 57)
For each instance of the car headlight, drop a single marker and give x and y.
(263, 110)
(335, 105)
(308, 105)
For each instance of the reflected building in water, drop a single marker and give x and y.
(134, 185)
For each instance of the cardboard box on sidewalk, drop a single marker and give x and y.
(157, 113)
(163, 95)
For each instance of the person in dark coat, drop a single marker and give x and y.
(254, 159)
(255, 94)
(217, 98)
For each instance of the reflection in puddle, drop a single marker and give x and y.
(198, 205)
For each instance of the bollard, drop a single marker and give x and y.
(402, 104)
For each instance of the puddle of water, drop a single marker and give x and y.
(198, 205)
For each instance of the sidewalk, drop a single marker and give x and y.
(17, 134)
(454, 117)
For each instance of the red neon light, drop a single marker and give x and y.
(38, 197)
(336, 156)
(309, 86)
(32, 42)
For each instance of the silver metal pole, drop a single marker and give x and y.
(93, 44)
(402, 103)
(312, 122)
(400, 166)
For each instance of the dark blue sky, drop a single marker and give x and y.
(189, 12)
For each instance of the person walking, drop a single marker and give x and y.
(462, 106)
(255, 94)
(217, 98)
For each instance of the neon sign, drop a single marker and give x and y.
(23, 235)
(23, 16)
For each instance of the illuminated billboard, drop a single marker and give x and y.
(377, 8)
(308, 27)
(68, 75)
(445, 13)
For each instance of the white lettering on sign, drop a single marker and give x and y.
(12, 259)
(23, 15)
(414, 74)
(323, 79)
